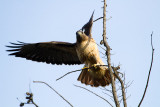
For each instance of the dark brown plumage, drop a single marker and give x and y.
(84, 51)
(87, 78)
(49, 52)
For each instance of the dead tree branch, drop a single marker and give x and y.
(54, 91)
(122, 87)
(95, 94)
(76, 71)
(81, 70)
(148, 73)
(108, 56)
(67, 74)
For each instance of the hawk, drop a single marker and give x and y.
(84, 51)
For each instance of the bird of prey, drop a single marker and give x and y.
(84, 51)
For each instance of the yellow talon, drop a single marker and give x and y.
(85, 68)
(94, 65)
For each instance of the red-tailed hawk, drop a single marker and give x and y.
(84, 51)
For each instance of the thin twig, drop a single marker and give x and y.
(102, 18)
(108, 95)
(148, 73)
(54, 91)
(95, 94)
(67, 74)
(126, 98)
(106, 90)
(128, 85)
(76, 71)
(100, 46)
(97, 19)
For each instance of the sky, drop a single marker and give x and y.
(128, 33)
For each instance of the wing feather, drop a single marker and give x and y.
(49, 52)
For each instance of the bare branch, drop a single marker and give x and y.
(128, 85)
(67, 74)
(95, 94)
(100, 46)
(122, 86)
(54, 91)
(77, 70)
(108, 95)
(108, 56)
(102, 18)
(148, 73)
(106, 90)
(97, 19)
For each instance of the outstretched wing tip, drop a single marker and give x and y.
(50, 52)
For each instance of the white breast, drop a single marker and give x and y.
(88, 53)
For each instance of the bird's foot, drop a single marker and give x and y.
(85, 68)
(94, 65)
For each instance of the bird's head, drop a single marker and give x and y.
(87, 28)
(85, 32)
(81, 36)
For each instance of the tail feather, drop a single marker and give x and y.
(82, 75)
(91, 83)
(88, 79)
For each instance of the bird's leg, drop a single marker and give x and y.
(94, 65)
(85, 68)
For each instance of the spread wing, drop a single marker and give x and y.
(49, 52)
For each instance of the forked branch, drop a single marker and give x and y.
(122, 87)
